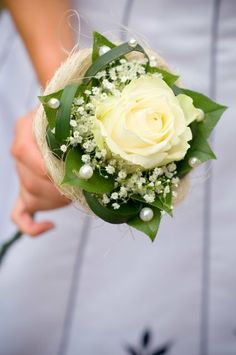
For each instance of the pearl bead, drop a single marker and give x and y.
(103, 50)
(153, 63)
(132, 43)
(201, 115)
(146, 214)
(152, 57)
(85, 172)
(53, 103)
(194, 162)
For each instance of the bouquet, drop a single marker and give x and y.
(120, 135)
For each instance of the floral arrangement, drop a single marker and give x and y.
(128, 134)
(125, 135)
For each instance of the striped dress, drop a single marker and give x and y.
(90, 288)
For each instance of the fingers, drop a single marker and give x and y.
(24, 220)
(34, 184)
(37, 193)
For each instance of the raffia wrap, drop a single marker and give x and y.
(72, 71)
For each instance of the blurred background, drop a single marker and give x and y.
(87, 287)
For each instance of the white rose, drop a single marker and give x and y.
(147, 125)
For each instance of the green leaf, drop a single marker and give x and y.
(96, 184)
(167, 203)
(64, 112)
(199, 147)
(213, 111)
(150, 228)
(50, 112)
(160, 203)
(99, 41)
(126, 211)
(115, 53)
(53, 144)
(168, 77)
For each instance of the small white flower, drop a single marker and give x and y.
(79, 101)
(168, 174)
(63, 148)
(95, 90)
(73, 123)
(114, 196)
(123, 61)
(151, 184)
(107, 84)
(123, 78)
(149, 198)
(105, 199)
(110, 169)
(123, 192)
(53, 130)
(72, 140)
(112, 74)
(171, 167)
(116, 206)
(104, 153)
(89, 145)
(141, 70)
(98, 155)
(85, 158)
(140, 182)
(80, 110)
(166, 190)
(100, 74)
(122, 174)
(153, 177)
(87, 92)
(158, 171)
(112, 162)
(76, 134)
(89, 106)
(175, 181)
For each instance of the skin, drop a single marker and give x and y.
(38, 23)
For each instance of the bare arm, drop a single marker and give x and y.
(38, 22)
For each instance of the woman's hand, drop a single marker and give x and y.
(37, 192)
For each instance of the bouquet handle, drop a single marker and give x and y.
(5, 246)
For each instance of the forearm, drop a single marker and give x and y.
(38, 22)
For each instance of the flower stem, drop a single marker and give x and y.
(5, 246)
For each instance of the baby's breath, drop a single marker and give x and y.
(148, 185)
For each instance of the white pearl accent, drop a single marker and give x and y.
(53, 103)
(152, 57)
(85, 172)
(153, 63)
(194, 162)
(132, 43)
(146, 214)
(201, 115)
(103, 50)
